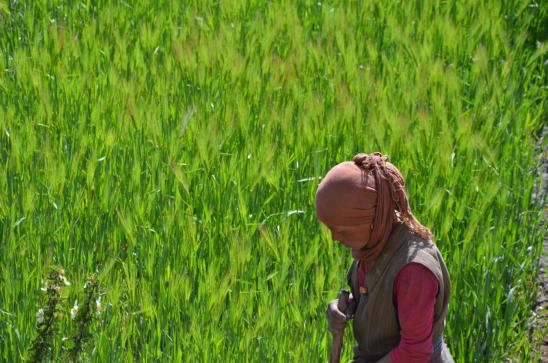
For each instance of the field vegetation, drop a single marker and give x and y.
(173, 149)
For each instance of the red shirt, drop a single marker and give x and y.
(415, 290)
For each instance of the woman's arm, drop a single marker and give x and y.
(415, 291)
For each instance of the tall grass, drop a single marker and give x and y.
(178, 146)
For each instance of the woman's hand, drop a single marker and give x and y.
(336, 318)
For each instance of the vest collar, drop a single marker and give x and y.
(395, 241)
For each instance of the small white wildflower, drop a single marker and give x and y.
(74, 310)
(63, 278)
(40, 316)
(98, 304)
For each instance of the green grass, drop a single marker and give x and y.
(165, 146)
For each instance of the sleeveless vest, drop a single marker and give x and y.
(375, 324)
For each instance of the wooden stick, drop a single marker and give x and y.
(336, 346)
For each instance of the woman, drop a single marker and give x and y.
(399, 282)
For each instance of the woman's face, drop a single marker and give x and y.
(353, 237)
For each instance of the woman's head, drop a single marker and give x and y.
(354, 237)
(360, 200)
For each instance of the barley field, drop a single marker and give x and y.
(172, 149)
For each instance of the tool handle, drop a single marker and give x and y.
(336, 347)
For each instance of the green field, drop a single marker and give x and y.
(174, 148)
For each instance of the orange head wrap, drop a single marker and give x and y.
(367, 189)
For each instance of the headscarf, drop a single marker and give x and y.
(368, 189)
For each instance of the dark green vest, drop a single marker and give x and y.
(376, 327)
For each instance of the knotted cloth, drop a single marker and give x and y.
(368, 189)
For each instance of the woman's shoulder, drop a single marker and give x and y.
(414, 242)
(416, 249)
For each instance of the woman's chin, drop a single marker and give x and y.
(356, 253)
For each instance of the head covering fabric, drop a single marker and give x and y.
(345, 197)
(368, 189)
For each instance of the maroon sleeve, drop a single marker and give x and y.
(415, 291)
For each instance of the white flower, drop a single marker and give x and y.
(74, 310)
(64, 279)
(98, 304)
(40, 316)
